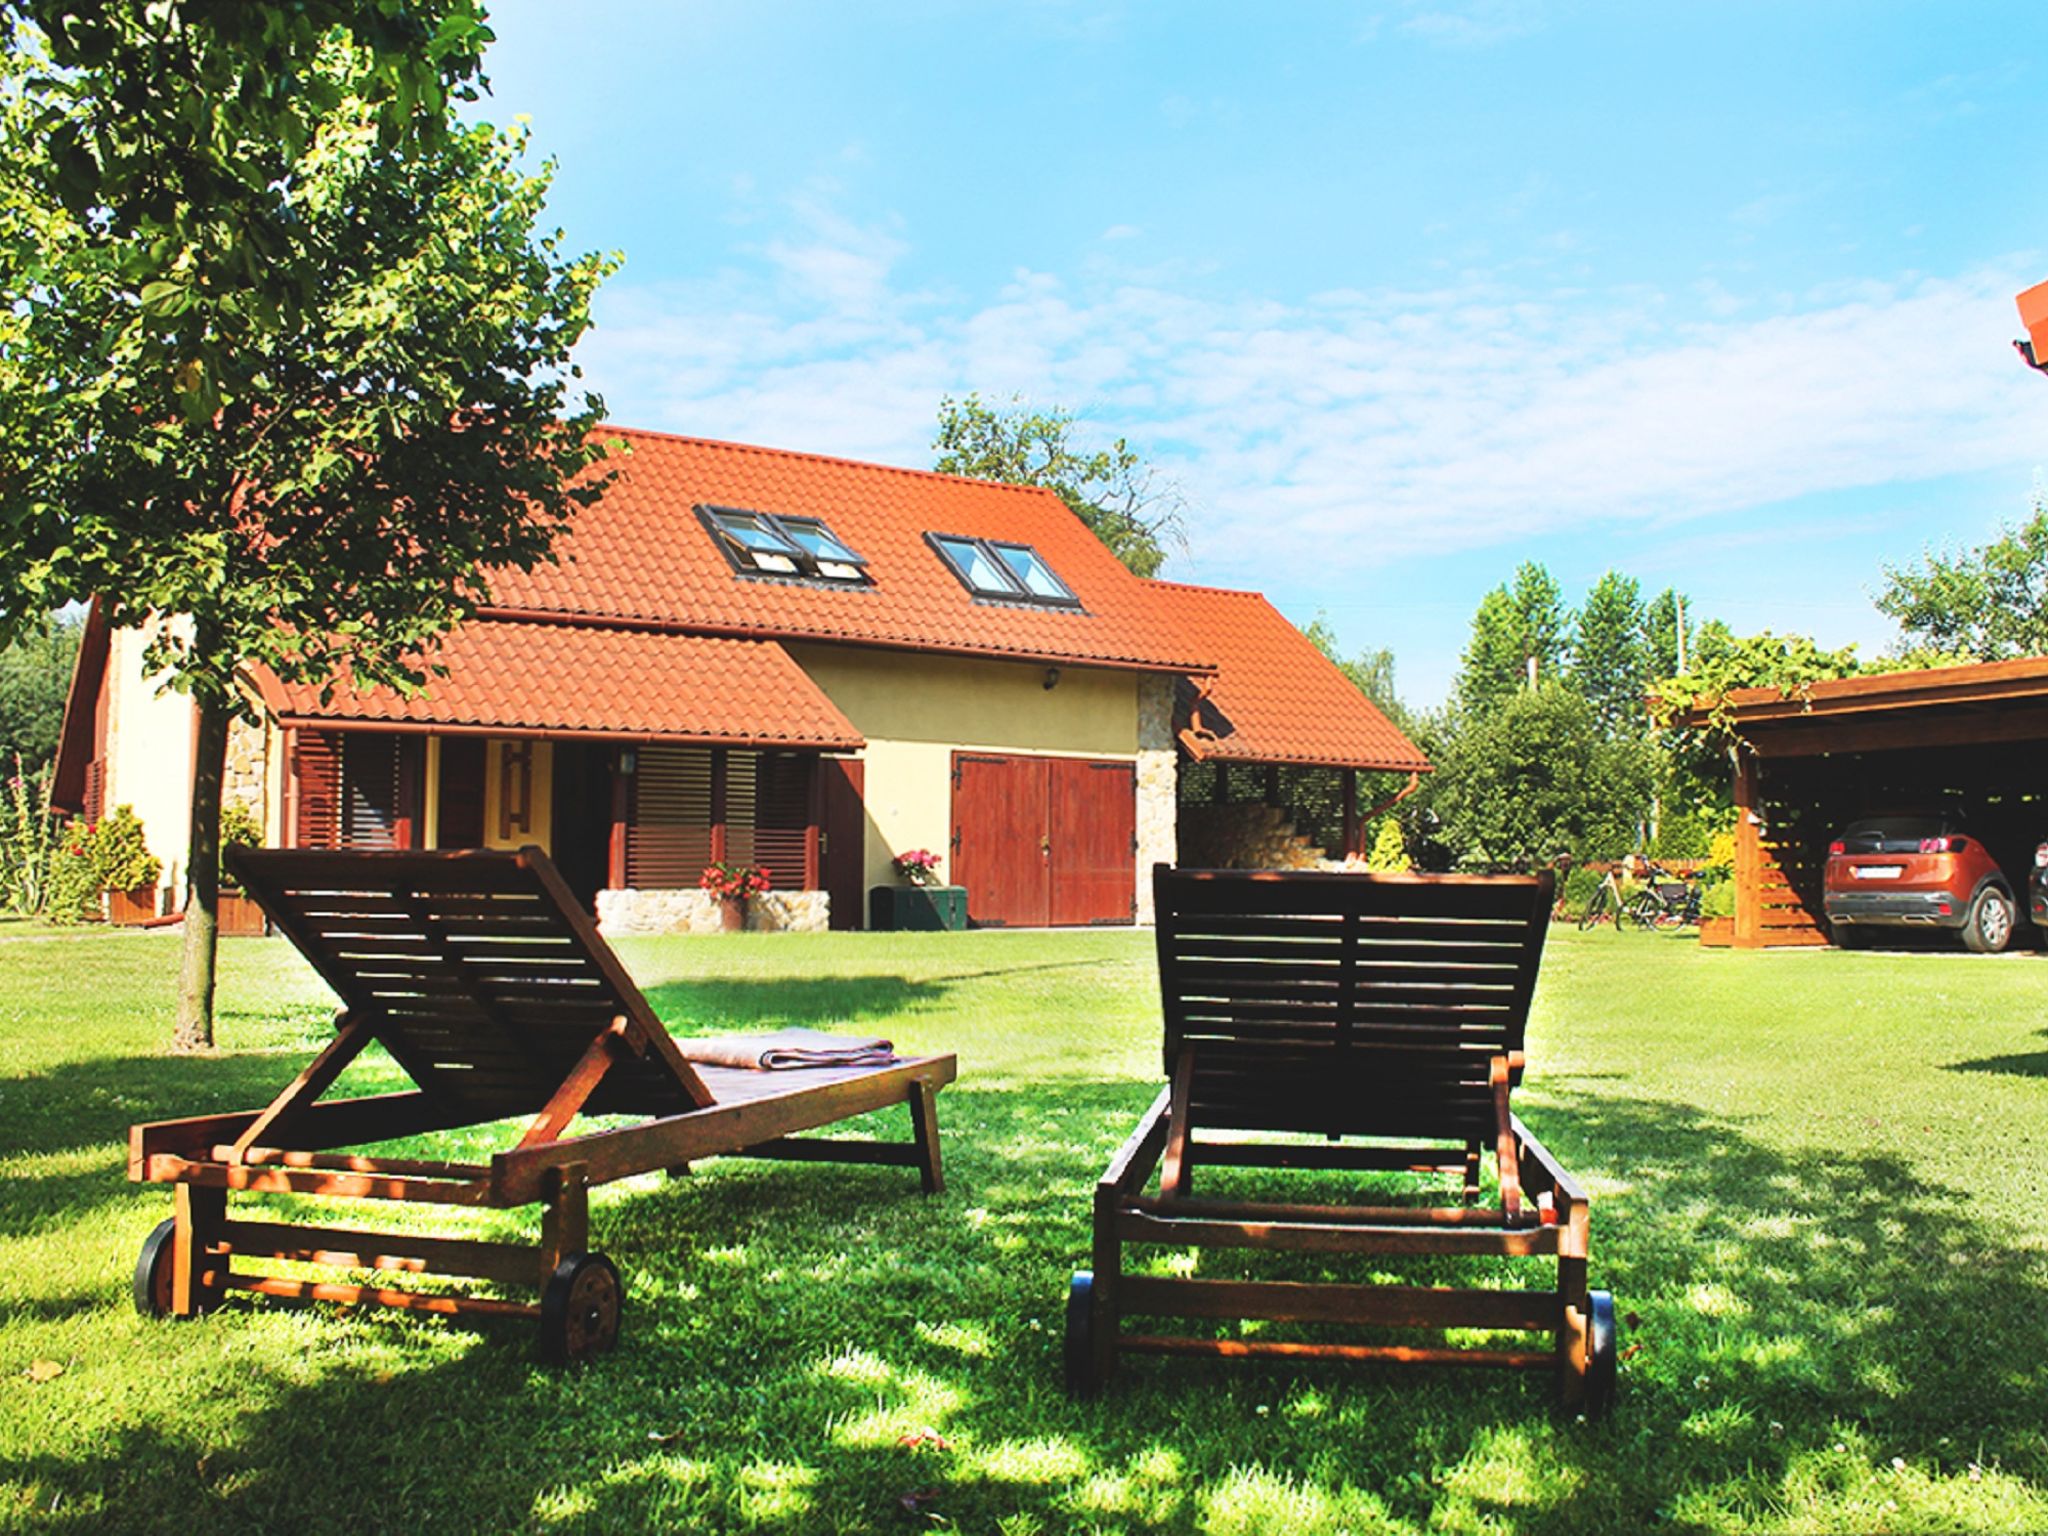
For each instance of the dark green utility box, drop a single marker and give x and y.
(925, 908)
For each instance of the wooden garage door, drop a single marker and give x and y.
(1039, 840)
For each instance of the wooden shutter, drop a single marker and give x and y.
(316, 769)
(668, 836)
(782, 817)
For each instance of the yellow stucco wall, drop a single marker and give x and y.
(149, 753)
(917, 710)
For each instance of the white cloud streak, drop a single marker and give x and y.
(1351, 428)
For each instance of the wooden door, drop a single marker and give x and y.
(842, 826)
(460, 822)
(1092, 826)
(1044, 841)
(1002, 850)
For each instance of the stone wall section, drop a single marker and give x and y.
(691, 911)
(1245, 836)
(1158, 785)
(243, 780)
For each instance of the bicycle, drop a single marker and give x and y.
(1605, 904)
(1665, 901)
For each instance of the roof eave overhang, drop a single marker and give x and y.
(319, 722)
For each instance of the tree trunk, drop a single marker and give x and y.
(202, 880)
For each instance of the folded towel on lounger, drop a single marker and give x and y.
(787, 1048)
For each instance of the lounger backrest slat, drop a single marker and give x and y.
(475, 969)
(1346, 1004)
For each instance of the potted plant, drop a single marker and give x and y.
(1717, 915)
(238, 829)
(733, 885)
(126, 868)
(928, 904)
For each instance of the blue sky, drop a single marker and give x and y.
(1399, 294)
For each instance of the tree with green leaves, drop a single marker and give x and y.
(1536, 777)
(35, 676)
(308, 456)
(1668, 628)
(1609, 663)
(1984, 604)
(1516, 623)
(1113, 490)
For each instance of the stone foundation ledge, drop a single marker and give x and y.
(693, 911)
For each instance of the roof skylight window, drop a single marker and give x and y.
(763, 544)
(1014, 572)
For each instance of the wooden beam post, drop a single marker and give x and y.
(1348, 781)
(1749, 853)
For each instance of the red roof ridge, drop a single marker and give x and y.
(613, 429)
(1198, 586)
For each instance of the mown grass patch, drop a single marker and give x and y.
(1817, 1192)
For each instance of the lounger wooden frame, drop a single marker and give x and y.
(487, 983)
(1351, 1006)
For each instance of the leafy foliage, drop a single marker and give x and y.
(120, 851)
(297, 373)
(1389, 851)
(1609, 658)
(29, 840)
(1537, 777)
(1120, 497)
(35, 675)
(1516, 623)
(176, 133)
(1984, 604)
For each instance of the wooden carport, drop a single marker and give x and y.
(1809, 760)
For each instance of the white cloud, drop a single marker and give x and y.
(1352, 428)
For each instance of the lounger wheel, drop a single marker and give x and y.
(153, 1272)
(1602, 1360)
(1081, 1335)
(579, 1310)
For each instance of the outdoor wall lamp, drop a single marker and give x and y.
(1052, 678)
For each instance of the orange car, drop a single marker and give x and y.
(1917, 871)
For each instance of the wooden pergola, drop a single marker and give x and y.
(1810, 760)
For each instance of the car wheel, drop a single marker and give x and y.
(1988, 929)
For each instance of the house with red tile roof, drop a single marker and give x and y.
(803, 663)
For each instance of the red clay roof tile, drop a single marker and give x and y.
(1275, 698)
(615, 683)
(641, 553)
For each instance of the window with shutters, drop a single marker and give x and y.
(356, 789)
(692, 806)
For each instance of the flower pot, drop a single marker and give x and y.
(732, 914)
(129, 908)
(240, 916)
(1717, 932)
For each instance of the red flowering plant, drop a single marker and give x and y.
(920, 866)
(735, 882)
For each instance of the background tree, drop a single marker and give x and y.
(1515, 623)
(1537, 777)
(1609, 665)
(1983, 604)
(35, 675)
(1669, 623)
(311, 466)
(1113, 490)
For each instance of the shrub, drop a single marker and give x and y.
(1579, 886)
(72, 893)
(1389, 852)
(239, 827)
(1719, 900)
(120, 854)
(28, 842)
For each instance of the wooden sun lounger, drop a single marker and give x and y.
(491, 989)
(1388, 1007)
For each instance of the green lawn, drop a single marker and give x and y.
(1818, 1200)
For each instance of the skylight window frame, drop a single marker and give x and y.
(1015, 591)
(805, 566)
